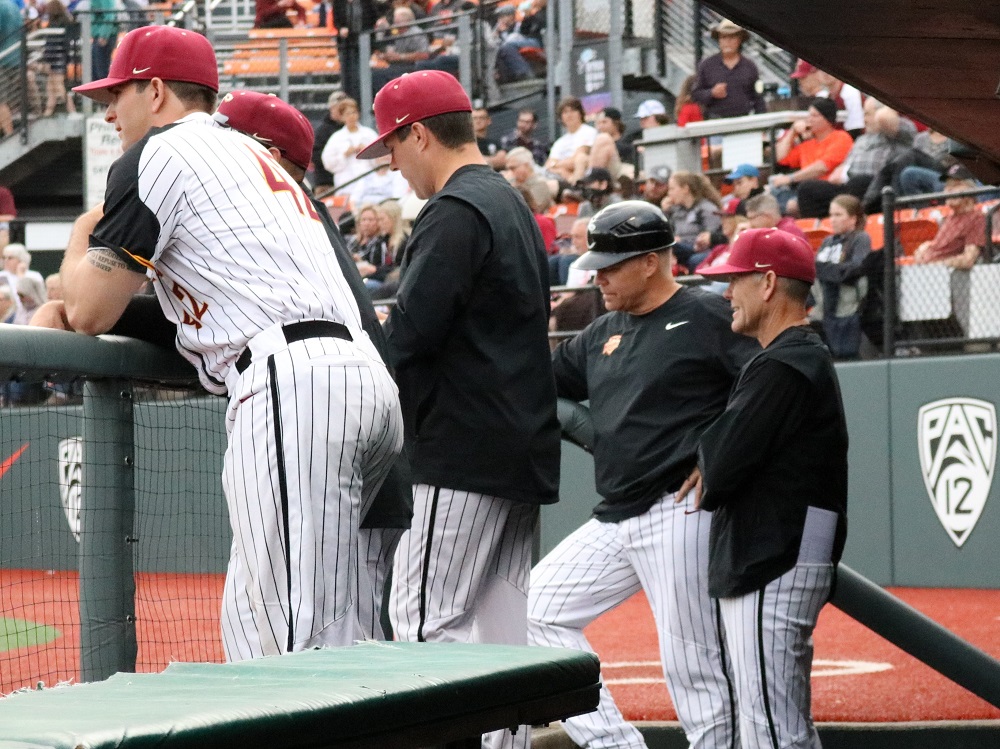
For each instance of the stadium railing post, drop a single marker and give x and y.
(107, 582)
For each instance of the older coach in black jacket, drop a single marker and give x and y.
(774, 473)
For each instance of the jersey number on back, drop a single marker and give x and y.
(278, 182)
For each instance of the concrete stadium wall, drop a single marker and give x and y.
(896, 537)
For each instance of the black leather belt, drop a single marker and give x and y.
(300, 331)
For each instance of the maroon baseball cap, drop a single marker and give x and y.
(272, 122)
(761, 250)
(413, 97)
(802, 69)
(164, 52)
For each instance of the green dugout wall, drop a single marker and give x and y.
(920, 428)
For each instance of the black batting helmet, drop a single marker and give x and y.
(625, 230)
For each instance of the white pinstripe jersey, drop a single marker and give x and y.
(231, 242)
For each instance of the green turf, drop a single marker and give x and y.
(18, 633)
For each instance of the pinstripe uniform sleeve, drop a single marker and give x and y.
(129, 228)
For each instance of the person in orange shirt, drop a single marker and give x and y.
(814, 147)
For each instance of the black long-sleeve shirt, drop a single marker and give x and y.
(742, 96)
(779, 448)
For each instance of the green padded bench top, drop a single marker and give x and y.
(372, 694)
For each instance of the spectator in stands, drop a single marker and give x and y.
(523, 136)
(524, 172)
(353, 18)
(657, 184)
(495, 156)
(8, 212)
(840, 285)
(31, 293)
(511, 65)
(652, 113)
(916, 171)
(546, 224)
(726, 83)
(408, 45)
(273, 14)
(763, 212)
(962, 235)
(569, 154)
(604, 154)
(104, 36)
(381, 184)
(813, 147)
(340, 150)
(8, 309)
(745, 180)
(55, 57)
(813, 83)
(686, 109)
(17, 261)
(390, 227)
(371, 253)
(10, 30)
(599, 191)
(53, 287)
(886, 136)
(692, 206)
(330, 124)
(559, 265)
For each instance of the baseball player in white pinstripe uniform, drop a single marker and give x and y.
(468, 340)
(241, 262)
(657, 370)
(288, 135)
(774, 468)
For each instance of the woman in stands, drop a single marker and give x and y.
(369, 247)
(692, 205)
(840, 285)
(391, 229)
(56, 55)
(339, 152)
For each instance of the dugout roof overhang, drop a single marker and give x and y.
(935, 60)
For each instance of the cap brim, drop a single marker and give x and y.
(376, 149)
(728, 270)
(601, 260)
(98, 90)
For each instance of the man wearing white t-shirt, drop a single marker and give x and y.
(568, 155)
(339, 152)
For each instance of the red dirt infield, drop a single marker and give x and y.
(857, 676)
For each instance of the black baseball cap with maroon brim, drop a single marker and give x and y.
(163, 52)
(410, 98)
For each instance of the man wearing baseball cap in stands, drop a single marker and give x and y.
(288, 135)
(772, 470)
(241, 263)
(745, 179)
(468, 339)
(727, 82)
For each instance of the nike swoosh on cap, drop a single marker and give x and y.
(762, 265)
(672, 325)
(138, 71)
(400, 119)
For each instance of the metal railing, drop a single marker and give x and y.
(931, 307)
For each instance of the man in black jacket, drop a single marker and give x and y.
(774, 474)
(468, 340)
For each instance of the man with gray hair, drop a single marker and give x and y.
(524, 172)
(763, 212)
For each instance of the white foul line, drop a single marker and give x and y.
(821, 667)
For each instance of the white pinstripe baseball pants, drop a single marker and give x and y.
(376, 549)
(313, 429)
(769, 638)
(665, 553)
(461, 575)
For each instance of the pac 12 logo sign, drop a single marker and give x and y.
(958, 450)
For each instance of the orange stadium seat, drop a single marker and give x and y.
(873, 226)
(912, 233)
(816, 236)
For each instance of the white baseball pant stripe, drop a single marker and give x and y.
(665, 553)
(376, 548)
(313, 429)
(769, 636)
(461, 575)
